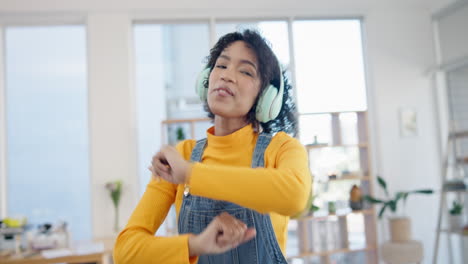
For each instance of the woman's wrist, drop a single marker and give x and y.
(193, 246)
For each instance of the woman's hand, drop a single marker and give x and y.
(170, 165)
(225, 232)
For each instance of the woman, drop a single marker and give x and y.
(234, 198)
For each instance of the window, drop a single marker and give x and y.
(168, 59)
(329, 77)
(276, 32)
(47, 126)
(329, 66)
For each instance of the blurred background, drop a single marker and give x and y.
(90, 90)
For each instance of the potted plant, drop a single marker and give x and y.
(115, 192)
(180, 134)
(400, 226)
(456, 218)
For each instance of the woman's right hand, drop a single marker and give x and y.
(225, 232)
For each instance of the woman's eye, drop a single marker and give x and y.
(220, 66)
(247, 73)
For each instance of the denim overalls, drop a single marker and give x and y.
(197, 212)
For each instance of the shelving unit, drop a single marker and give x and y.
(332, 252)
(340, 229)
(360, 145)
(452, 165)
(166, 126)
(324, 217)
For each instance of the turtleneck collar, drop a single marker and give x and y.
(237, 138)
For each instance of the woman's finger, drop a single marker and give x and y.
(160, 166)
(232, 231)
(160, 170)
(248, 235)
(160, 157)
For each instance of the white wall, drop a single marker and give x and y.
(112, 116)
(3, 150)
(399, 51)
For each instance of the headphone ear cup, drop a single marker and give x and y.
(200, 88)
(266, 103)
(270, 102)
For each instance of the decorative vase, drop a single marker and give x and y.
(456, 222)
(400, 229)
(355, 198)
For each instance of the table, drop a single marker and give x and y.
(104, 257)
(98, 258)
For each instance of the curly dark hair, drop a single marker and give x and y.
(269, 70)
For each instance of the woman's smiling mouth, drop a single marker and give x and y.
(223, 91)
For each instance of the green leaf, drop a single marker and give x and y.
(315, 208)
(424, 191)
(392, 204)
(382, 210)
(399, 195)
(383, 184)
(372, 199)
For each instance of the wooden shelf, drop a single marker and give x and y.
(332, 252)
(455, 232)
(320, 146)
(459, 134)
(166, 123)
(349, 178)
(456, 191)
(324, 217)
(331, 113)
(176, 121)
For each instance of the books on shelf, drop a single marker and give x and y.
(322, 235)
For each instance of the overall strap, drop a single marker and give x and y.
(263, 141)
(197, 151)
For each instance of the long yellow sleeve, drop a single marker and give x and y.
(282, 186)
(137, 243)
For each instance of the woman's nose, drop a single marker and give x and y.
(227, 75)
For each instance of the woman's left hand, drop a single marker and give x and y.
(170, 165)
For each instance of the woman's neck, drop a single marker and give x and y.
(225, 126)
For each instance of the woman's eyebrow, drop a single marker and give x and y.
(226, 57)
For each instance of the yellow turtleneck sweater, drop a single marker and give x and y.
(281, 189)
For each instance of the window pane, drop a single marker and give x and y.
(168, 59)
(329, 66)
(47, 126)
(276, 32)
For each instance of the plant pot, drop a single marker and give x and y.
(400, 229)
(456, 222)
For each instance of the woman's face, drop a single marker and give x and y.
(234, 82)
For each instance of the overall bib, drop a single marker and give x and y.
(197, 212)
